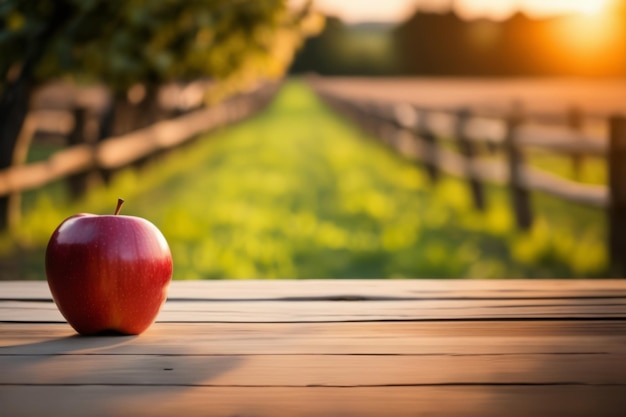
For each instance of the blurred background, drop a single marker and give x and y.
(321, 139)
(469, 38)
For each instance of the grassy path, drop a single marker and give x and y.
(297, 192)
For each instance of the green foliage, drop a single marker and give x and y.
(297, 192)
(362, 49)
(122, 43)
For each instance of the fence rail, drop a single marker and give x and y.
(120, 151)
(415, 132)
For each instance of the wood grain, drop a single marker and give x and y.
(354, 288)
(328, 348)
(464, 401)
(341, 311)
(394, 338)
(360, 300)
(347, 370)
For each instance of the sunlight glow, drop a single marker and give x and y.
(396, 10)
(583, 7)
(587, 34)
(472, 9)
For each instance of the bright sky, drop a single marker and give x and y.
(395, 10)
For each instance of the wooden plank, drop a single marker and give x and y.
(461, 401)
(588, 194)
(112, 153)
(394, 338)
(360, 289)
(53, 120)
(385, 288)
(336, 311)
(361, 300)
(520, 177)
(546, 98)
(493, 130)
(562, 140)
(497, 171)
(313, 370)
(510, 362)
(304, 311)
(119, 151)
(569, 139)
(36, 174)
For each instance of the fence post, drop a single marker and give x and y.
(575, 123)
(368, 118)
(468, 151)
(617, 192)
(430, 140)
(78, 183)
(386, 127)
(11, 204)
(519, 194)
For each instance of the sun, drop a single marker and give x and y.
(546, 8)
(586, 35)
(588, 7)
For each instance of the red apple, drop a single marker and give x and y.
(108, 273)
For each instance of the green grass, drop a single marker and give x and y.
(298, 192)
(591, 169)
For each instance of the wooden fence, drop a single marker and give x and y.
(118, 152)
(415, 132)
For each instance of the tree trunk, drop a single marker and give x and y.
(13, 110)
(80, 183)
(15, 101)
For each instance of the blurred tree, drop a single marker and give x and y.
(445, 44)
(25, 31)
(321, 53)
(340, 49)
(432, 44)
(138, 43)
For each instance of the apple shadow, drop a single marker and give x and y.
(67, 344)
(112, 358)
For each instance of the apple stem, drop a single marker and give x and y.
(120, 201)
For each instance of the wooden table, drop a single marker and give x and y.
(328, 348)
